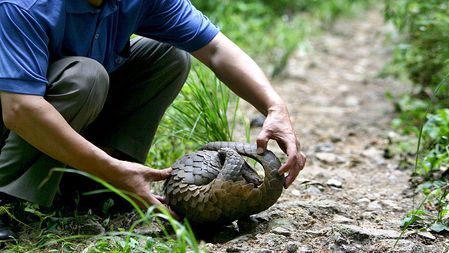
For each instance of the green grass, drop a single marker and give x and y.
(422, 55)
(174, 236)
(205, 111)
(430, 126)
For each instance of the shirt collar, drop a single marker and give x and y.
(83, 6)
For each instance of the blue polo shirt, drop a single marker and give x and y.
(34, 33)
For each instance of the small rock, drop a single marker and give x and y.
(285, 223)
(364, 201)
(296, 192)
(326, 147)
(393, 135)
(340, 240)
(373, 206)
(367, 215)
(305, 249)
(313, 190)
(391, 204)
(363, 233)
(263, 251)
(394, 245)
(292, 247)
(351, 101)
(373, 196)
(240, 239)
(372, 153)
(392, 178)
(257, 121)
(148, 229)
(271, 240)
(335, 183)
(328, 158)
(343, 88)
(92, 228)
(427, 235)
(341, 219)
(281, 231)
(335, 138)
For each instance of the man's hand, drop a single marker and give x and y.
(136, 178)
(277, 126)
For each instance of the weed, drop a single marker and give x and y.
(180, 240)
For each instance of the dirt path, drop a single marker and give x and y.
(349, 198)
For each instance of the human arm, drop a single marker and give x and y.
(244, 77)
(40, 124)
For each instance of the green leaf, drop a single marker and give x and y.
(439, 227)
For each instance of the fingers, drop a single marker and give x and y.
(292, 159)
(157, 201)
(157, 175)
(294, 171)
(262, 141)
(160, 198)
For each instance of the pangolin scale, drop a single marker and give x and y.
(215, 185)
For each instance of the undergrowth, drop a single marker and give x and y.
(422, 55)
(85, 233)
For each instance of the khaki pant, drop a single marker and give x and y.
(119, 111)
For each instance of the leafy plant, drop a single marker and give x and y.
(205, 111)
(424, 28)
(181, 240)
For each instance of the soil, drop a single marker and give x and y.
(349, 198)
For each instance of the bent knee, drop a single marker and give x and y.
(182, 60)
(93, 78)
(78, 79)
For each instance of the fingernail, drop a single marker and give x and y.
(259, 150)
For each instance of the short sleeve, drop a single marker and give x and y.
(179, 23)
(23, 52)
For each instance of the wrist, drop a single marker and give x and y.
(279, 107)
(109, 168)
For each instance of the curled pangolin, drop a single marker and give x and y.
(215, 185)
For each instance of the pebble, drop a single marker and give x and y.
(373, 196)
(372, 153)
(364, 201)
(392, 179)
(328, 158)
(367, 215)
(373, 206)
(262, 251)
(296, 192)
(335, 183)
(292, 247)
(363, 233)
(92, 228)
(257, 121)
(313, 190)
(352, 101)
(391, 204)
(427, 235)
(341, 219)
(325, 147)
(281, 231)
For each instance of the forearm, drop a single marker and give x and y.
(240, 73)
(41, 125)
